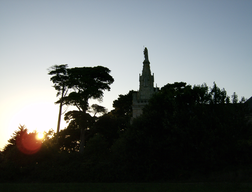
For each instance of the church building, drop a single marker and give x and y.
(146, 88)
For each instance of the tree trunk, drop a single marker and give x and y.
(60, 111)
(60, 108)
(59, 118)
(82, 140)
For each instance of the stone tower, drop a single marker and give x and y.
(146, 88)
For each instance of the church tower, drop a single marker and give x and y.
(146, 88)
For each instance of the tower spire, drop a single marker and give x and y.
(146, 57)
(146, 88)
(146, 79)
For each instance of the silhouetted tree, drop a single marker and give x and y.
(123, 105)
(234, 98)
(112, 124)
(23, 147)
(97, 109)
(85, 83)
(59, 78)
(69, 138)
(109, 127)
(122, 111)
(185, 129)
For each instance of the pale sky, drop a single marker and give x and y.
(195, 41)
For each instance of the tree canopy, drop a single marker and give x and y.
(185, 133)
(184, 129)
(82, 83)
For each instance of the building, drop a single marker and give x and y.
(146, 88)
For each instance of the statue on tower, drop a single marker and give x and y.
(146, 54)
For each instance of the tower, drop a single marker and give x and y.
(146, 88)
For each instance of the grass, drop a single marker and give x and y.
(126, 187)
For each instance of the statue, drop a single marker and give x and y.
(146, 54)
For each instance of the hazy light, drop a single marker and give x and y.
(40, 136)
(39, 116)
(27, 143)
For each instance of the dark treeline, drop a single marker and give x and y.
(185, 133)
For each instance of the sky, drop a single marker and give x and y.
(193, 41)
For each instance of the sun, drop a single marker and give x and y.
(40, 136)
(37, 116)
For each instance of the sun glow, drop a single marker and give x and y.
(36, 116)
(40, 136)
(27, 143)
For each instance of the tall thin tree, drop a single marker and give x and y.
(59, 78)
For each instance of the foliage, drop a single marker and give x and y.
(109, 127)
(22, 142)
(59, 78)
(97, 109)
(122, 111)
(82, 83)
(85, 83)
(184, 130)
(122, 105)
(185, 133)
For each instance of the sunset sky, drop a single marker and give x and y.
(195, 41)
